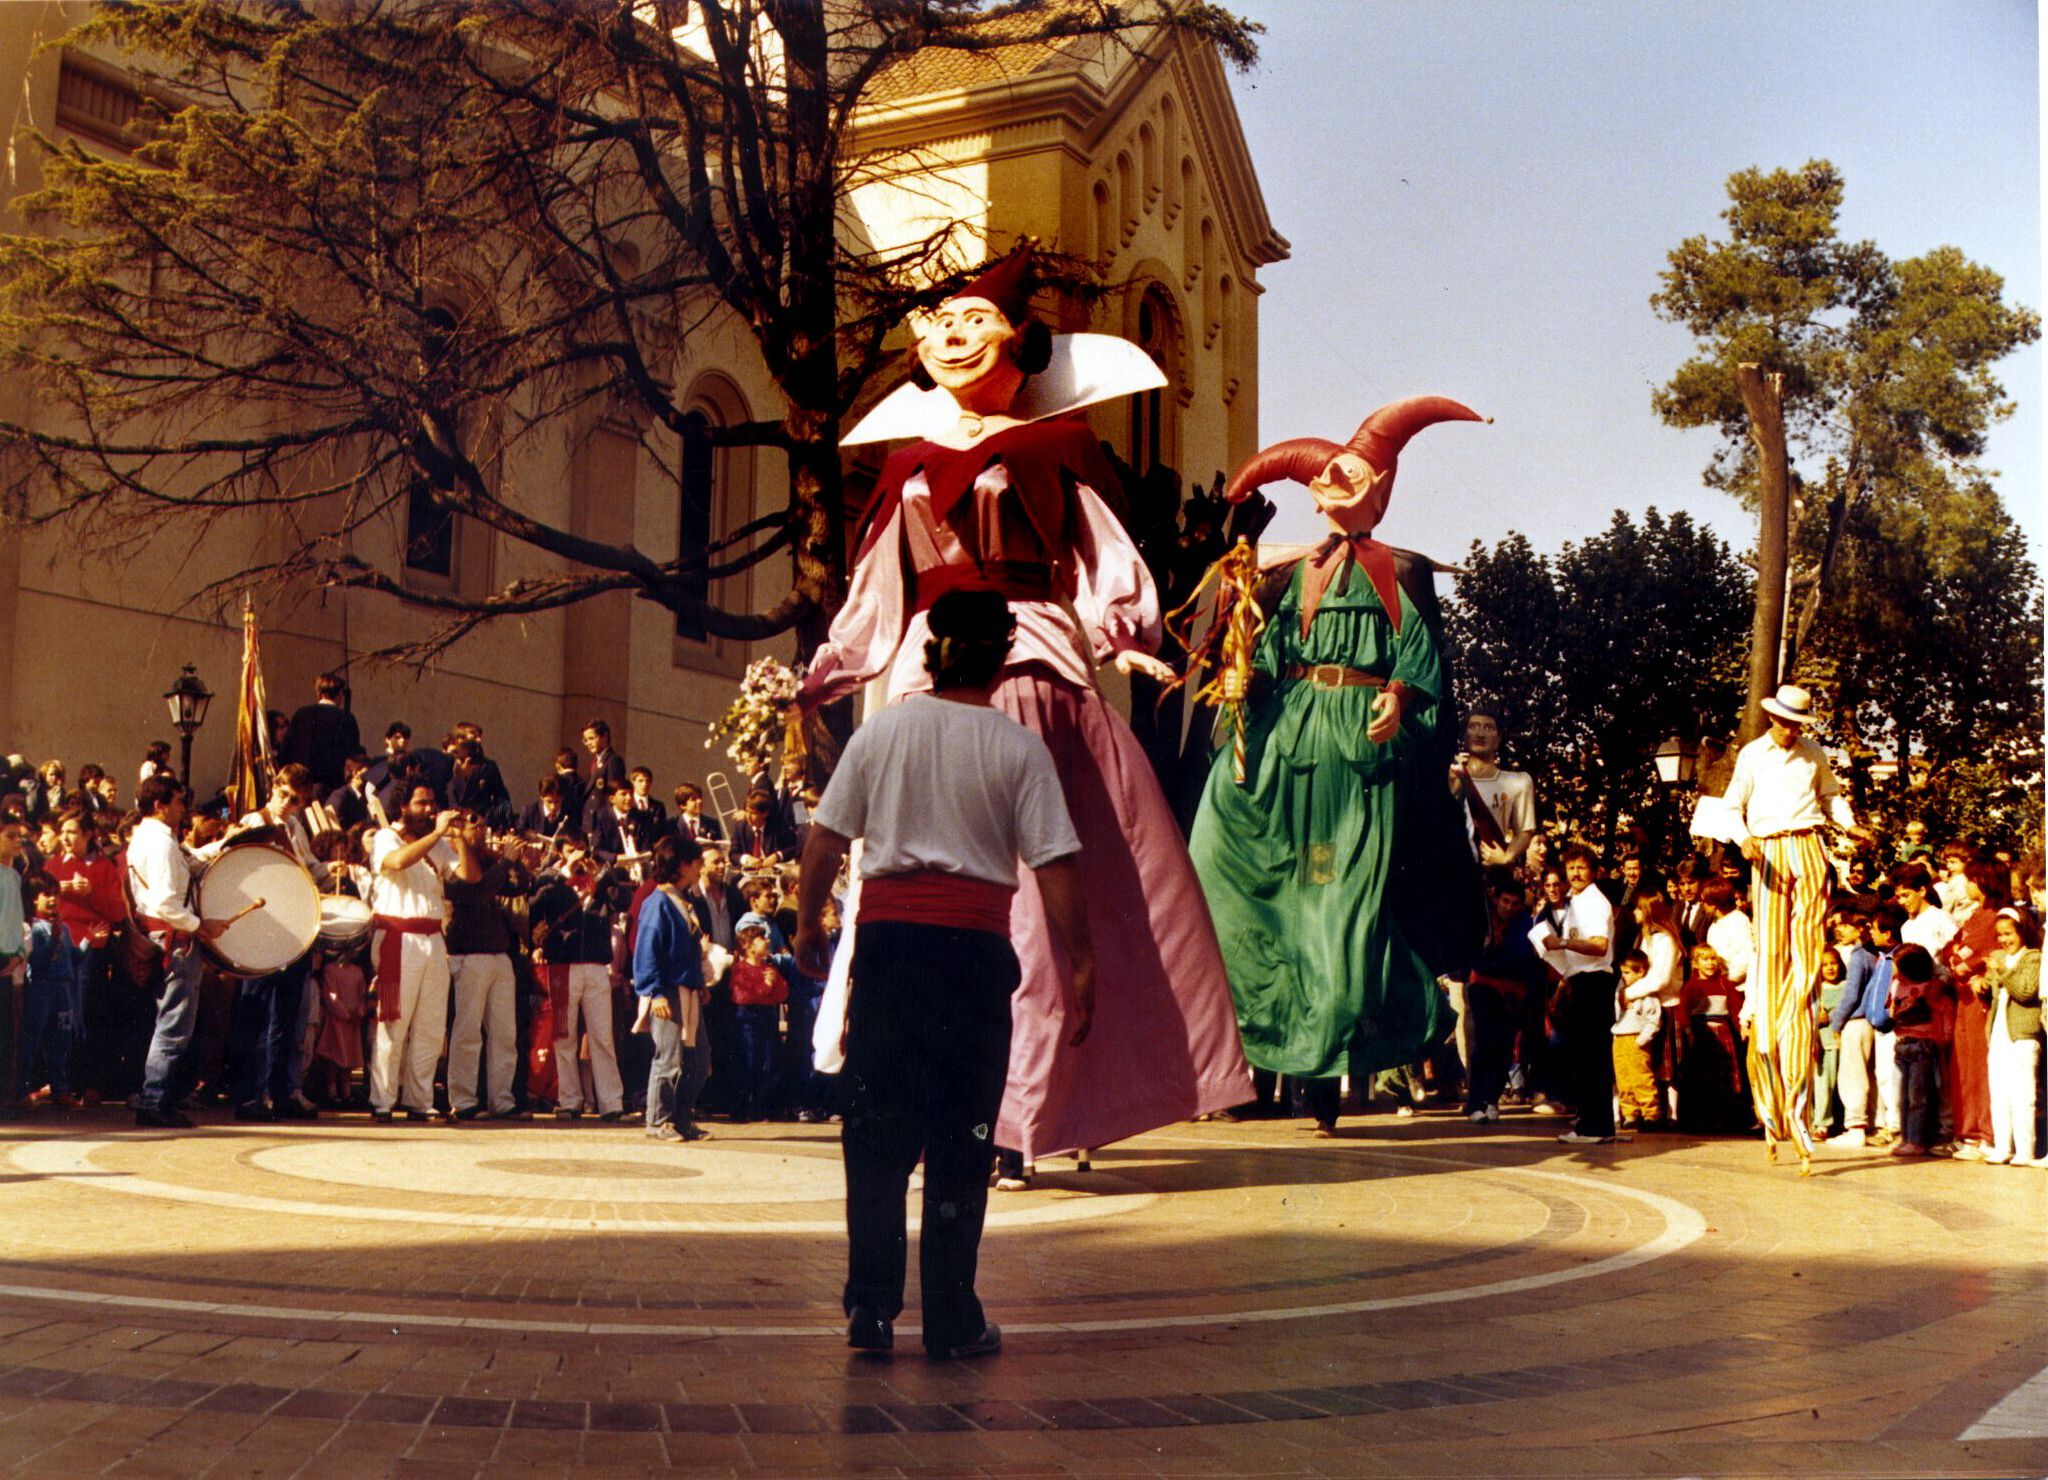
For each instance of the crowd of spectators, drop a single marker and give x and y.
(541, 1017)
(1927, 1006)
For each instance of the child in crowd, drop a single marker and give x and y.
(2015, 1028)
(1637, 1016)
(760, 987)
(1712, 1095)
(1834, 979)
(1921, 1010)
(46, 1020)
(338, 1051)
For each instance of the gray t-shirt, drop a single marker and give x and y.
(953, 788)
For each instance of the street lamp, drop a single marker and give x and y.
(1676, 762)
(187, 700)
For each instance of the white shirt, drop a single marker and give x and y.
(1587, 916)
(1778, 790)
(159, 875)
(1734, 941)
(415, 892)
(1511, 797)
(1931, 930)
(1663, 979)
(931, 784)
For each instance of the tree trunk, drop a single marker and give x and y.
(1763, 398)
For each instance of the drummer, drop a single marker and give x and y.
(408, 861)
(263, 1029)
(160, 883)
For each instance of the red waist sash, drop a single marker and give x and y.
(929, 897)
(1018, 580)
(394, 926)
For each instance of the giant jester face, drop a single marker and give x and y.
(965, 345)
(1351, 492)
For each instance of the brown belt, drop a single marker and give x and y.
(1335, 676)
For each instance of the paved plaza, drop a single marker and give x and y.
(1413, 1297)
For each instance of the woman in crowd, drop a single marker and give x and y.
(2014, 976)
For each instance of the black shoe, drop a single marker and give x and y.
(165, 1119)
(989, 1342)
(293, 1110)
(611, 1116)
(382, 1117)
(868, 1332)
(470, 1112)
(418, 1116)
(258, 1112)
(568, 1115)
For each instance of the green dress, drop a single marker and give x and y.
(1299, 863)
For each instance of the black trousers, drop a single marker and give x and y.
(263, 1036)
(927, 1052)
(1490, 1036)
(1589, 1050)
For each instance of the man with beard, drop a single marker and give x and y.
(409, 862)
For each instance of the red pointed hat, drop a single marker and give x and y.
(1006, 283)
(1378, 440)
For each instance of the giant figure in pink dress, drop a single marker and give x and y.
(1002, 493)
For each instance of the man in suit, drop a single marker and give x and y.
(476, 785)
(607, 769)
(321, 736)
(692, 821)
(614, 827)
(546, 816)
(350, 802)
(646, 806)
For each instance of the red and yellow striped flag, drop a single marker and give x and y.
(249, 778)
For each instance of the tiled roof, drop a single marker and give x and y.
(940, 69)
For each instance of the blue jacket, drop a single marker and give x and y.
(49, 954)
(665, 953)
(1866, 992)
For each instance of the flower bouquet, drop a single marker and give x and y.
(753, 724)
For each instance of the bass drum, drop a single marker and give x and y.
(272, 900)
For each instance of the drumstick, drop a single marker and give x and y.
(248, 909)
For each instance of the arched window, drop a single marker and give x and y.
(697, 494)
(1106, 241)
(714, 492)
(1152, 439)
(429, 523)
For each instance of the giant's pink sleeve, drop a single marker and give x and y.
(1113, 591)
(869, 628)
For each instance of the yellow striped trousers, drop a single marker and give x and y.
(1790, 892)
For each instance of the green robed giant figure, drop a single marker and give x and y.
(1328, 844)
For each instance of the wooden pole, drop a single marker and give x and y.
(1763, 398)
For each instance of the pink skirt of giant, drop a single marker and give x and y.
(1164, 1045)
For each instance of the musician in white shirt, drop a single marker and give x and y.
(160, 887)
(408, 951)
(263, 1027)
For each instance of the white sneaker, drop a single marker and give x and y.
(1544, 1107)
(1492, 1113)
(1573, 1138)
(1997, 1158)
(1477, 1117)
(1405, 1112)
(1855, 1140)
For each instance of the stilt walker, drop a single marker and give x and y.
(1782, 794)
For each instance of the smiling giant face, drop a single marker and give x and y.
(1351, 492)
(965, 345)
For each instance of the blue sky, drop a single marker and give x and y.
(1480, 196)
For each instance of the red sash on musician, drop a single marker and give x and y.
(930, 897)
(388, 957)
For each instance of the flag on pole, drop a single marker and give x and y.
(249, 779)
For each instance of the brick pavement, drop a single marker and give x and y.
(1413, 1297)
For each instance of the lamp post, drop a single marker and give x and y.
(1676, 760)
(187, 700)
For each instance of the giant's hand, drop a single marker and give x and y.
(1131, 661)
(1081, 1001)
(1386, 717)
(813, 953)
